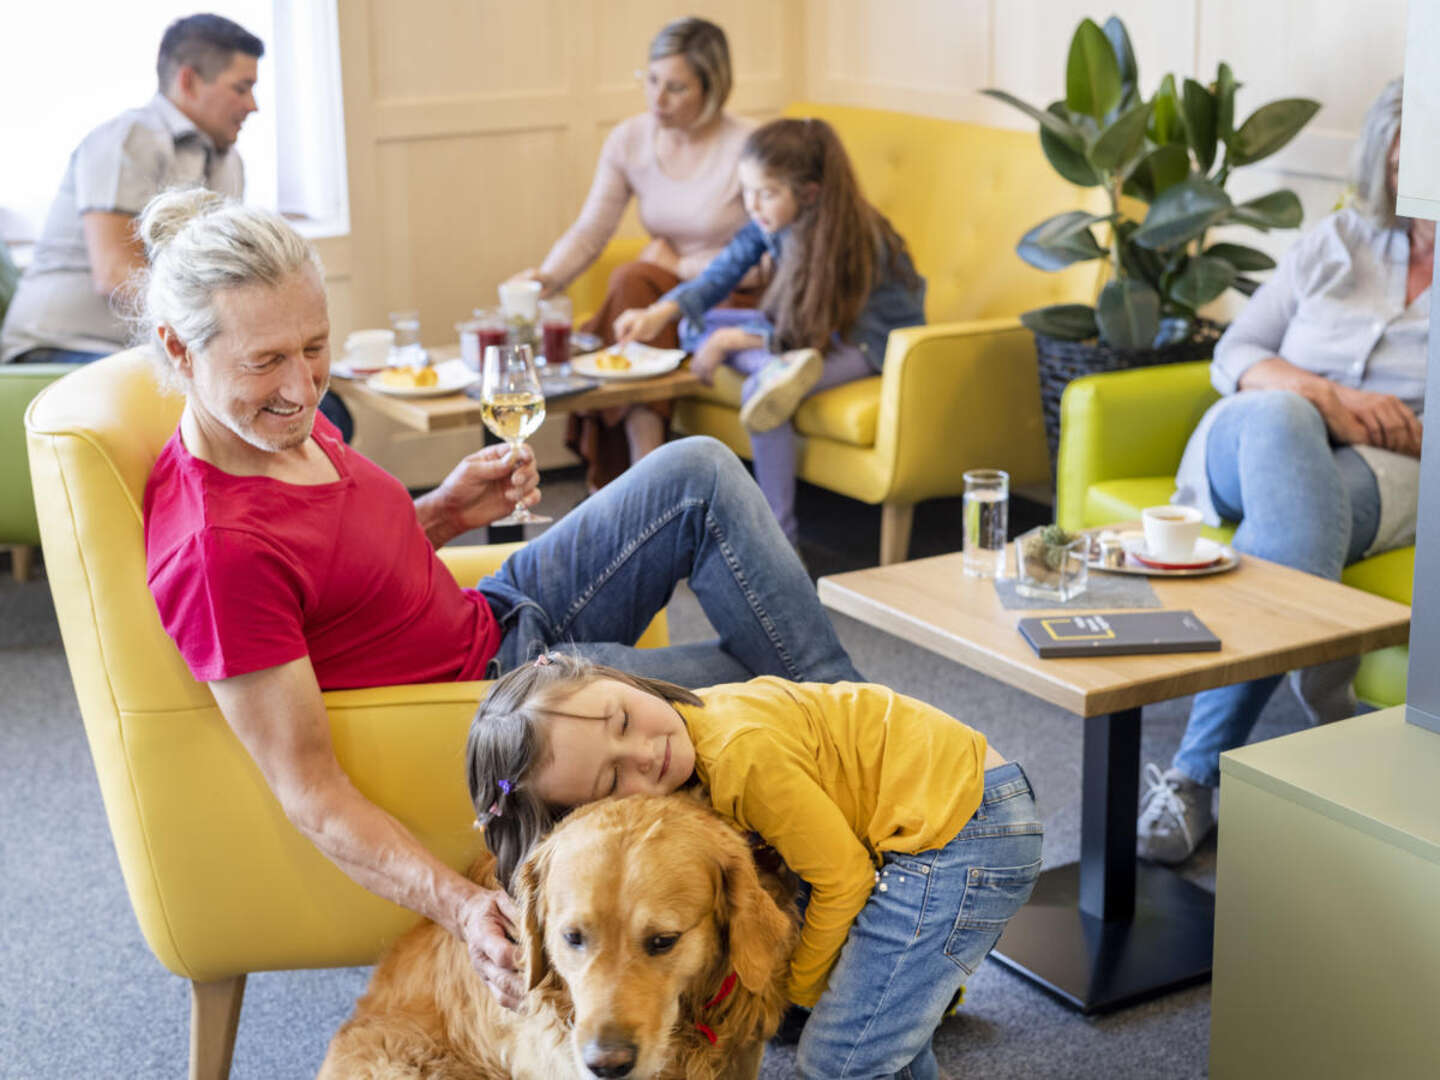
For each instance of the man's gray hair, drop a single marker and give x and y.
(198, 242)
(205, 43)
(705, 49)
(1370, 169)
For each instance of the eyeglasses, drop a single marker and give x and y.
(673, 89)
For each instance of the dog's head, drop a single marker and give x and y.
(643, 906)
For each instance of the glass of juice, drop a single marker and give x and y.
(556, 320)
(479, 333)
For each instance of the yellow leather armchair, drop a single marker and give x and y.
(962, 392)
(221, 883)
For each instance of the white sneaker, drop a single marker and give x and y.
(781, 385)
(1175, 817)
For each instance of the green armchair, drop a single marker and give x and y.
(19, 383)
(1121, 437)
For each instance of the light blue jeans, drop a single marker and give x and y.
(930, 920)
(774, 451)
(1300, 502)
(594, 580)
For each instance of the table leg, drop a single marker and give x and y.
(1106, 931)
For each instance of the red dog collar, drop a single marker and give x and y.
(724, 992)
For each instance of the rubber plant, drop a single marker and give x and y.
(1169, 155)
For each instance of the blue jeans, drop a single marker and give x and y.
(930, 919)
(774, 451)
(1300, 502)
(46, 355)
(594, 580)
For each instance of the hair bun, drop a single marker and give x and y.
(167, 214)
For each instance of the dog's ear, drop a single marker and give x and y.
(530, 879)
(760, 933)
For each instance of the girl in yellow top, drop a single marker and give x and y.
(917, 841)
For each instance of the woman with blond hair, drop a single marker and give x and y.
(677, 160)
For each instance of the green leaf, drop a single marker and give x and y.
(1158, 171)
(1198, 110)
(1061, 240)
(1128, 314)
(1278, 210)
(1068, 322)
(1240, 257)
(1121, 141)
(1166, 125)
(1057, 125)
(1092, 77)
(1066, 159)
(1182, 213)
(1203, 279)
(1269, 128)
(1246, 285)
(1119, 39)
(1225, 87)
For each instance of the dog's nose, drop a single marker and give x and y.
(610, 1055)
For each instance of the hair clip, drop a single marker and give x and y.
(494, 810)
(476, 825)
(504, 786)
(542, 660)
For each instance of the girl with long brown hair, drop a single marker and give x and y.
(843, 280)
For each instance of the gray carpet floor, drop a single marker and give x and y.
(81, 995)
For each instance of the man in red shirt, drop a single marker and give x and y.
(283, 563)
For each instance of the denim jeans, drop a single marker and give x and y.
(594, 580)
(774, 451)
(930, 919)
(1300, 502)
(44, 354)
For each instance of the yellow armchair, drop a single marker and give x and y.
(962, 392)
(221, 883)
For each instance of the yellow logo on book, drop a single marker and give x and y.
(1078, 628)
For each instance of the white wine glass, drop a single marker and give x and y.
(513, 407)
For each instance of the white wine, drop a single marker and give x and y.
(513, 417)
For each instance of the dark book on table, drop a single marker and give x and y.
(1116, 633)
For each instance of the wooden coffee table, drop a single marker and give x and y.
(458, 410)
(1108, 931)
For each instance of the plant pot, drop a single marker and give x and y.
(1048, 571)
(1060, 361)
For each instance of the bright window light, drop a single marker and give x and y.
(72, 65)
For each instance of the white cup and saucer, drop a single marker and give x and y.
(366, 352)
(1172, 540)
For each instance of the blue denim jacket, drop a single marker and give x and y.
(890, 306)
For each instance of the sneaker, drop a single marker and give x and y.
(780, 387)
(1175, 817)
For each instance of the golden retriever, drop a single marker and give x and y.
(653, 952)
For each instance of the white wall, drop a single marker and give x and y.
(933, 56)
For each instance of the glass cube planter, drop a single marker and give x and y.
(1048, 572)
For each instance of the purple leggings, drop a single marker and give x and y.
(773, 451)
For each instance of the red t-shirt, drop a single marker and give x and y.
(250, 572)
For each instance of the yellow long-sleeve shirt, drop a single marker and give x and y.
(832, 775)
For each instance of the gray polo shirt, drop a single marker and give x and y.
(118, 167)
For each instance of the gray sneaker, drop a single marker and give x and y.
(1174, 818)
(782, 385)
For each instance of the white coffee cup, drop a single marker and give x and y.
(521, 299)
(1170, 531)
(368, 350)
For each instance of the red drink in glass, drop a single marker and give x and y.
(491, 335)
(555, 338)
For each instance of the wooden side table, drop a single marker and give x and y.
(1108, 931)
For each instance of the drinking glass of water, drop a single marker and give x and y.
(986, 510)
(407, 351)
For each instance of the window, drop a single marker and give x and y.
(67, 71)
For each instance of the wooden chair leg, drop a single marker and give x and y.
(895, 522)
(22, 561)
(214, 1019)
